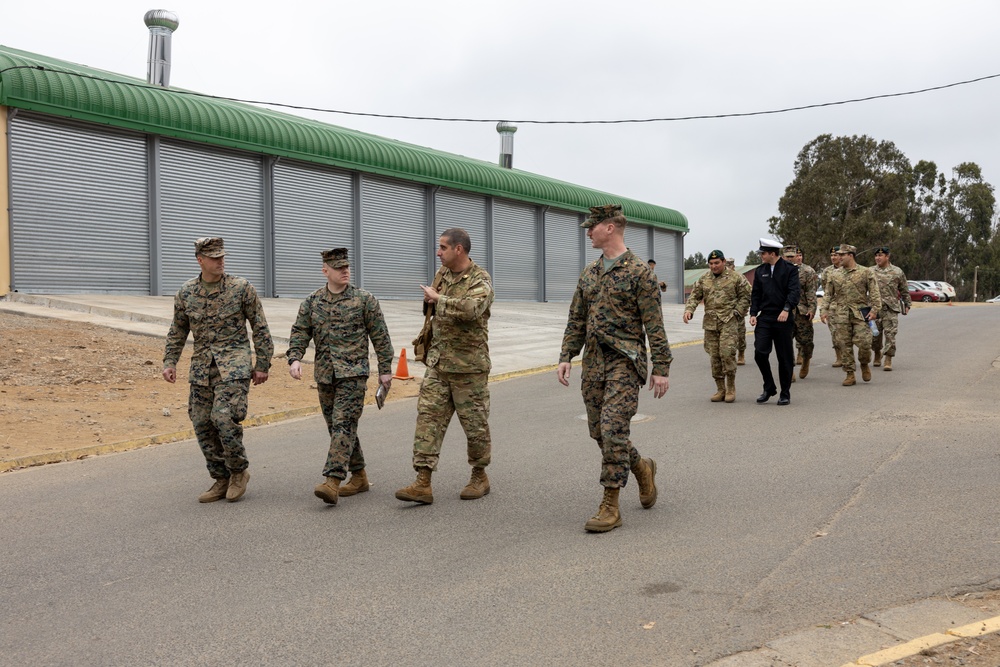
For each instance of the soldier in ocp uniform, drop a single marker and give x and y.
(895, 294)
(215, 308)
(458, 366)
(836, 314)
(341, 318)
(741, 324)
(727, 298)
(809, 283)
(850, 289)
(616, 306)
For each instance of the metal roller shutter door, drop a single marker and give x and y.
(208, 192)
(458, 209)
(562, 254)
(637, 240)
(667, 253)
(394, 243)
(79, 208)
(313, 211)
(515, 252)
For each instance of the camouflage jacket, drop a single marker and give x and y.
(893, 287)
(851, 290)
(827, 307)
(726, 296)
(217, 318)
(340, 325)
(810, 283)
(460, 341)
(617, 309)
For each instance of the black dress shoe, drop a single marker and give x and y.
(763, 398)
(784, 399)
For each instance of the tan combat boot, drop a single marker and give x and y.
(730, 388)
(478, 486)
(888, 363)
(237, 485)
(837, 363)
(798, 360)
(357, 484)
(793, 373)
(804, 371)
(217, 492)
(720, 385)
(866, 373)
(420, 491)
(878, 359)
(645, 474)
(849, 381)
(741, 360)
(328, 491)
(607, 517)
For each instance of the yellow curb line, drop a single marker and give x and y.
(915, 646)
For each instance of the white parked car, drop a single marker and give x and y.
(995, 299)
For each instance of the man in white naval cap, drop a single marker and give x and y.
(773, 299)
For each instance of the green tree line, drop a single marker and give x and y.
(867, 193)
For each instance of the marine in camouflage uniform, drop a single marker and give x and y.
(727, 297)
(340, 318)
(458, 365)
(616, 306)
(741, 323)
(836, 315)
(895, 295)
(809, 282)
(216, 312)
(852, 288)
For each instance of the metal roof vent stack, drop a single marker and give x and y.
(161, 24)
(506, 131)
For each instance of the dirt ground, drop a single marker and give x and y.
(66, 385)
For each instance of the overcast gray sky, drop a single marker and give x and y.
(587, 60)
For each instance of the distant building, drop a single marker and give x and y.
(111, 179)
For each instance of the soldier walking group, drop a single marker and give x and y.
(615, 310)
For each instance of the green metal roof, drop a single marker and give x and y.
(113, 99)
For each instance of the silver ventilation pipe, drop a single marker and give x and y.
(161, 24)
(506, 131)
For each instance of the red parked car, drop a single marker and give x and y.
(926, 295)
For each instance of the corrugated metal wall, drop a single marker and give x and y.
(667, 251)
(562, 254)
(468, 211)
(79, 211)
(637, 240)
(313, 211)
(515, 251)
(209, 192)
(394, 238)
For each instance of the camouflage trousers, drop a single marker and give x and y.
(216, 412)
(721, 346)
(854, 333)
(888, 327)
(836, 322)
(442, 394)
(611, 403)
(342, 403)
(741, 334)
(804, 335)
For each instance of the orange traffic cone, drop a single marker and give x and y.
(402, 371)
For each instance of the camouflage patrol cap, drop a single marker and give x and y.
(602, 213)
(336, 258)
(790, 251)
(731, 262)
(717, 254)
(210, 246)
(846, 249)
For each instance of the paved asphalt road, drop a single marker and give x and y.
(769, 520)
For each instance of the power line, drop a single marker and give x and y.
(523, 121)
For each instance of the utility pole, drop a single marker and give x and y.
(975, 284)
